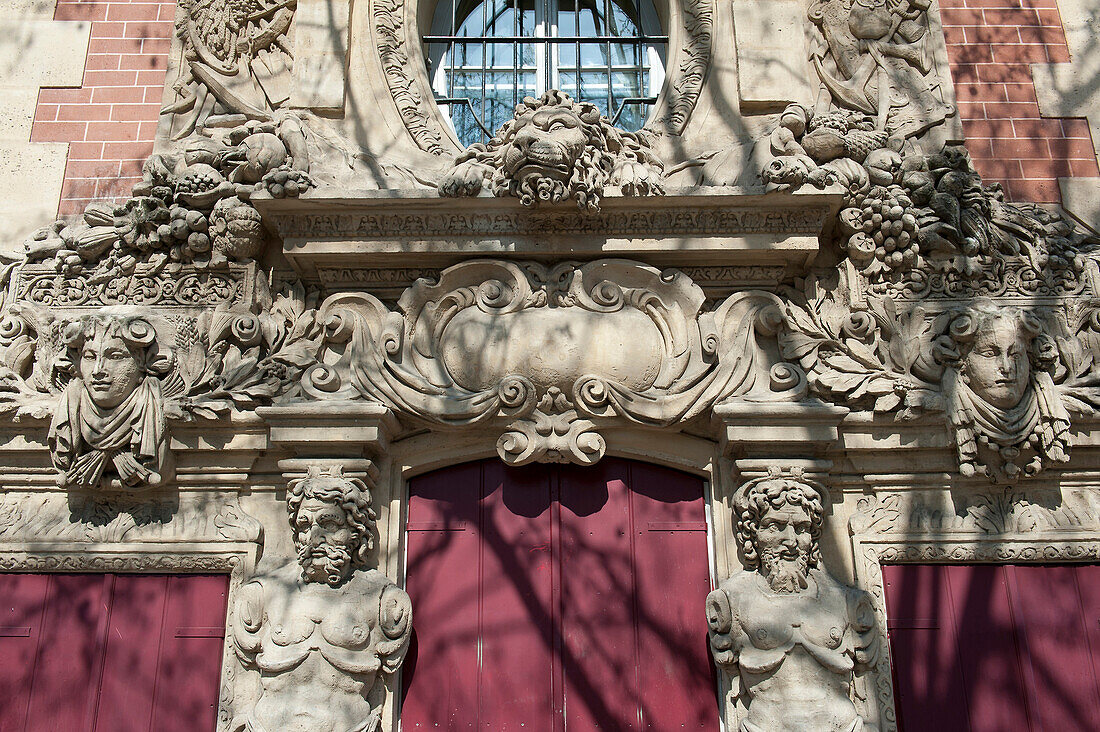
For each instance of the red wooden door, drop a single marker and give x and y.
(110, 653)
(995, 648)
(558, 598)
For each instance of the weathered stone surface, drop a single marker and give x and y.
(35, 51)
(796, 643)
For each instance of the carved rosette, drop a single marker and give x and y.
(551, 350)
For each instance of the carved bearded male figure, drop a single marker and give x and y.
(325, 631)
(792, 638)
(109, 426)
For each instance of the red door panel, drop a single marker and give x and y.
(100, 652)
(997, 648)
(558, 598)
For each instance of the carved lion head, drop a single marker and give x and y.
(554, 148)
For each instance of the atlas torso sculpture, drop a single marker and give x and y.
(321, 634)
(792, 638)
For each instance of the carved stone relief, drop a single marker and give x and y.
(325, 631)
(556, 149)
(882, 61)
(796, 643)
(615, 340)
(109, 429)
(96, 518)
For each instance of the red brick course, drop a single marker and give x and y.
(110, 121)
(990, 46)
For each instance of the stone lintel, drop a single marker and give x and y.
(333, 430)
(416, 228)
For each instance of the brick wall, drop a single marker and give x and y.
(110, 121)
(990, 44)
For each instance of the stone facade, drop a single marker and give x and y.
(794, 283)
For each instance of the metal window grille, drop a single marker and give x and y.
(485, 57)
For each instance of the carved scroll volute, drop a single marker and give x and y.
(360, 639)
(359, 332)
(109, 428)
(785, 592)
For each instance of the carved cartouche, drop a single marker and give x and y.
(322, 632)
(109, 427)
(793, 639)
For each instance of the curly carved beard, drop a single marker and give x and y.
(786, 571)
(337, 560)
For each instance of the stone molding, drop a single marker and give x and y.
(235, 559)
(996, 526)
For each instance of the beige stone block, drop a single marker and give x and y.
(320, 55)
(43, 52)
(17, 112)
(26, 9)
(39, 170)
(771, 52)
(1081, 197)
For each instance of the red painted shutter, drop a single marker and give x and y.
(558, 598)
(995, 648)
(85, 652)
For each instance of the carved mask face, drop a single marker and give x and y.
(323, 538)
(784, 538)
(546, 147)
(108, 369)
(997, 367)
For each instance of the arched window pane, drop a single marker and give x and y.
(608, 52)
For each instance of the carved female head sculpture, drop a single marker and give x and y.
(333, 524)
(999, 392)
(778, 527)
(110, 421)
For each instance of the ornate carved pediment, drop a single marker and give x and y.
(550, 348)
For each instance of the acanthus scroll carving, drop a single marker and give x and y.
(325, 631)
(615, 340)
